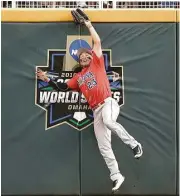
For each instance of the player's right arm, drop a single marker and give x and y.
(69, 86)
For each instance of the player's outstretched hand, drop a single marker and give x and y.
(79, 16)
(82, 14)
(41, 75)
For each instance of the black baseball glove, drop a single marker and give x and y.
(78, 19)
(82, 14)
(79, 16)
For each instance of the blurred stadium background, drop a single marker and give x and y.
(100, 4)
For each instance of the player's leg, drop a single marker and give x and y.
(103, 136)
(110, 113)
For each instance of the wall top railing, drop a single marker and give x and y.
(90, 4)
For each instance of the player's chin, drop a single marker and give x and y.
(85, 64)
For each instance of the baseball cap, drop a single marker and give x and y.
(81, 50)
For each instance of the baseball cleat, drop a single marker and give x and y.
(117, 183)
(138, 151)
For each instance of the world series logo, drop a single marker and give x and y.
(71, 107)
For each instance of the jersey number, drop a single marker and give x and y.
(91, 83)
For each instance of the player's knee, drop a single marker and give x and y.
(108, 123)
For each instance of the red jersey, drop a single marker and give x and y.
(92, 81)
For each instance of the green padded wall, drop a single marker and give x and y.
(67, 162)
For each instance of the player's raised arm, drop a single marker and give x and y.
(96, 39)
(80, 17)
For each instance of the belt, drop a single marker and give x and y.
(98, 105)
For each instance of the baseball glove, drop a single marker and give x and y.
(82, 14)
(78, 19)
(79, 16)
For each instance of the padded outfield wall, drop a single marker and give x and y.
(62, 160)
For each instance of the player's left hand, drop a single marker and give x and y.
(80, 17)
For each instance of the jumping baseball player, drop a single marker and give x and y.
(92, 81)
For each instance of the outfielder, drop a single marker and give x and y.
(92, 81)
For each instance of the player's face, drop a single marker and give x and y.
(85, 59)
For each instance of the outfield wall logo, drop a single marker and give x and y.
(71, 107)
(75, 46)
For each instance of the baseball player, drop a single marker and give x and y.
(92, 81)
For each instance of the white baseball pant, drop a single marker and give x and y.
(104, 123)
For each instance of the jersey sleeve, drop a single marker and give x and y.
(98, 60)
(73, 84)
